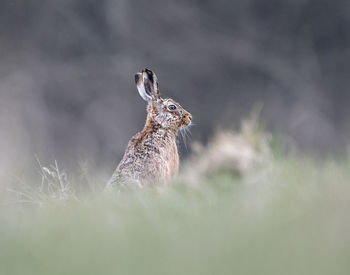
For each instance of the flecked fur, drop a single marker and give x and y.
(151, 155)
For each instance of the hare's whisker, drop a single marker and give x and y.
(182, 132)
(188, 131)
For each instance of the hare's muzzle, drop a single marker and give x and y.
(187, 118)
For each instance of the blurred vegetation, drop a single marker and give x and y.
(276, 215)
(291, 219)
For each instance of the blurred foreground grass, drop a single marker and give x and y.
(289, 218)
(236, 209)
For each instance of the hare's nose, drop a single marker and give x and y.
(188, 116)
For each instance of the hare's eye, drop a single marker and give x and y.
(171, 107)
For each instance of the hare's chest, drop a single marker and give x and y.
(169, 164)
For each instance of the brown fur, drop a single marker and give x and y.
(151, 155)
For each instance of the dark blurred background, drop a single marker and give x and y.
(66, 73)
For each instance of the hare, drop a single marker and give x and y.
(151, 155)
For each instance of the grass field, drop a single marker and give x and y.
(285, 216)
(290, 218)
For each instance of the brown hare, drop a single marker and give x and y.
(151, 155)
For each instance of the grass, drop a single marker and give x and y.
(289, 217)
(237, 208)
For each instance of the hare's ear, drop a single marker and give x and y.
(147, 85)
(141, 87)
